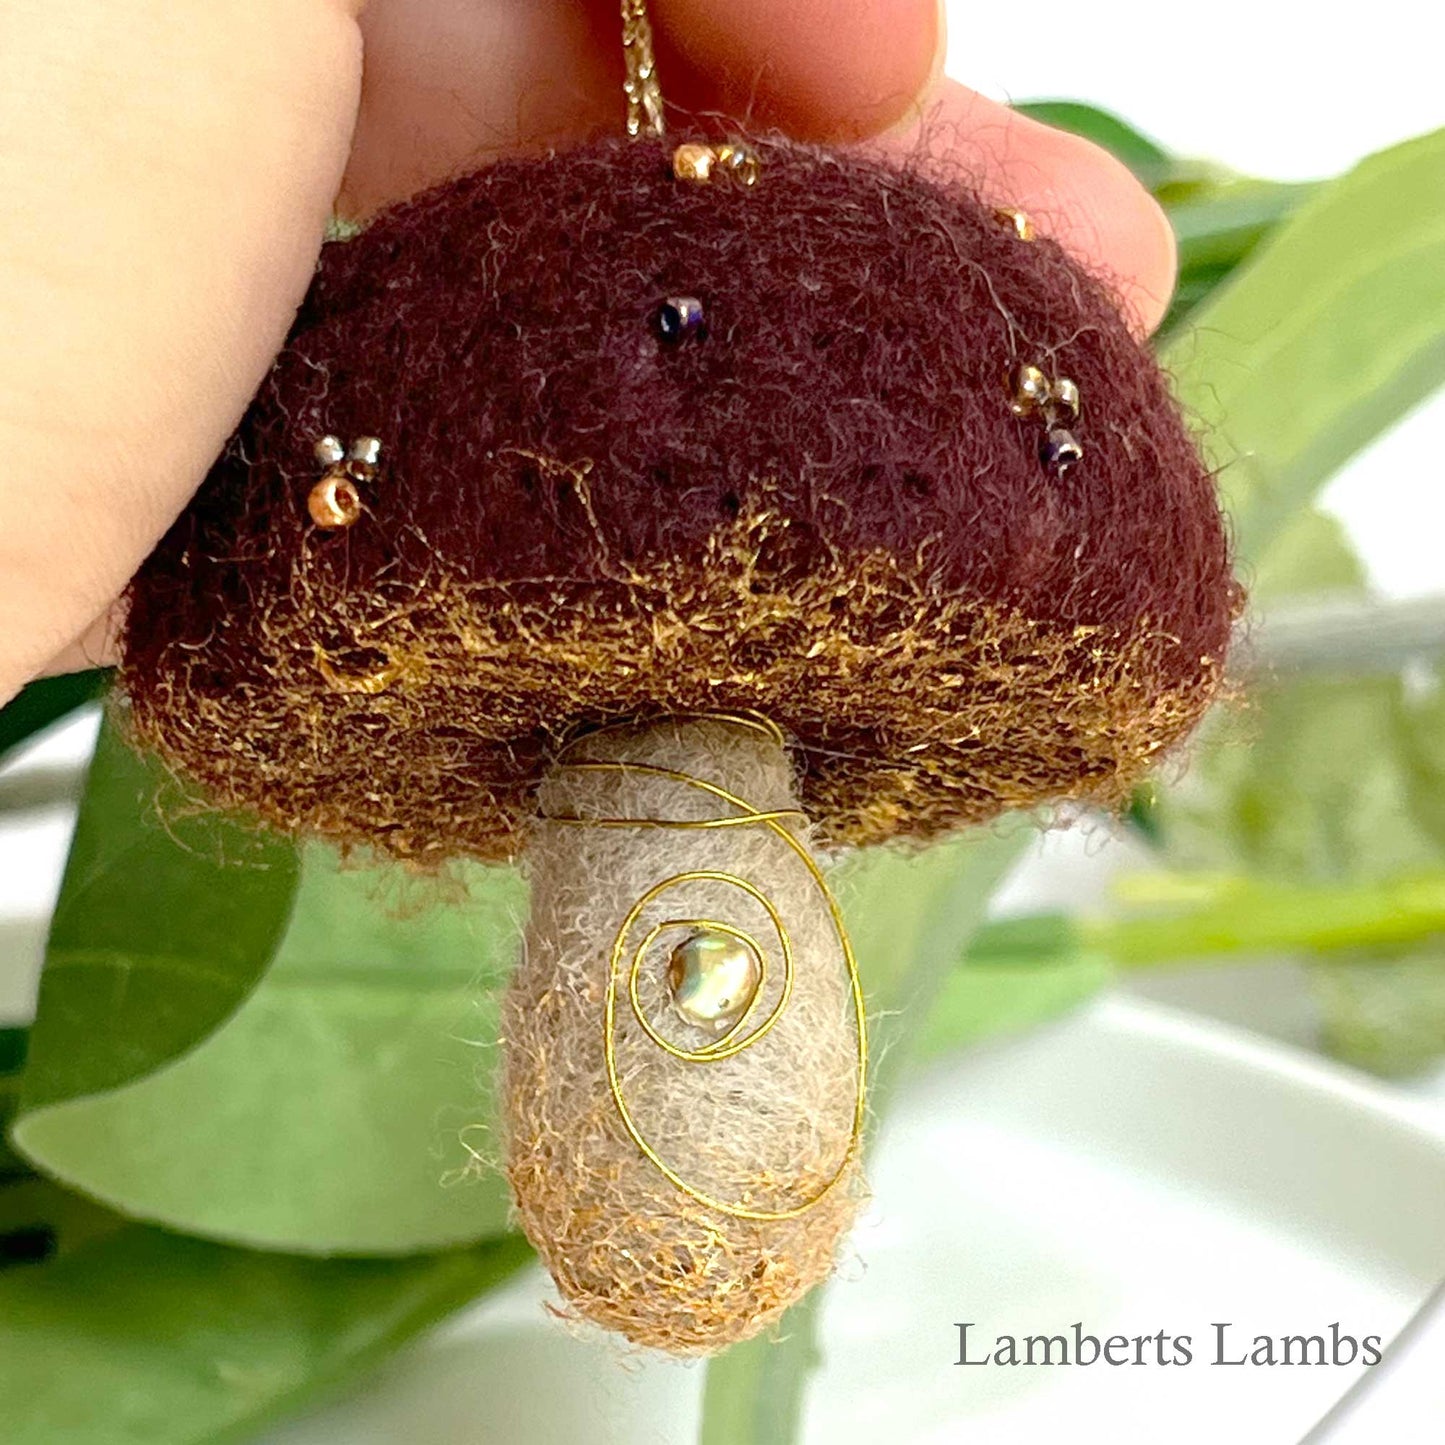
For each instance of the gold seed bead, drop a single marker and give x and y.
(713, 977)
(361, 458)
(693, 162)
(1017, 221)
(1028, 388)
(366, 450)
(739, 163)
(329, 451)
(1064, 395)
(333, 502)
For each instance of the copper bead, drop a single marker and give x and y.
(334, 501)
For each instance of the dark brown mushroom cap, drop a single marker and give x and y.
(822, 511)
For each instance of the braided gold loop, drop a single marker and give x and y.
(644, 98)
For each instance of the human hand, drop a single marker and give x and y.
(168, 168)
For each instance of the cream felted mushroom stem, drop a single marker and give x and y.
(685, 1043)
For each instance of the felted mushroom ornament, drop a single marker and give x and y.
(665, 514)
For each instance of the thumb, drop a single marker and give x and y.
(168, 167)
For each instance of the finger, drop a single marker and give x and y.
(167, 167)
(454, 83)
(817, 69)
(97, 646)
(1071, 189)
(451, 84)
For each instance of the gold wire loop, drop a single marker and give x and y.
(729, 1043)
(754, 721)
(369, 683)
(644, 96)
(625, 971)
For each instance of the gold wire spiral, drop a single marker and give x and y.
(738, 1037)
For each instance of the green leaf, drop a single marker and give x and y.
(337, 1104)
(1311, 556)
(911, 915)
(1218, 217)
(145, 1338)
(1333, 331)
(13, 1043)
(911, 912)
(755, 1393)
(1168, 918)
(1191, 290)
(1149, 161)
(1385, 1014)
(979, 1002)
(1318, 794)
(1154, 919)
(344, 1108)
(1218, 225)
(1320, 778)
(1328, 788)
(39, 1220)
(1417, 737)
(43, 703)
(1334, 808)
(163, 925)
(918, 916)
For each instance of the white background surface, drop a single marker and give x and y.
(1279, 88)
(1126, 1168)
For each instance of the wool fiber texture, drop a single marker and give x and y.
(769, 1126)
(822, 511)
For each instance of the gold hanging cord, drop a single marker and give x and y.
(644, 98)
